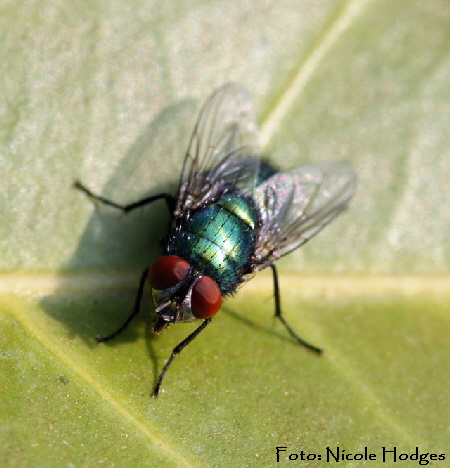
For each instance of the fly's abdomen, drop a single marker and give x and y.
(219, 240)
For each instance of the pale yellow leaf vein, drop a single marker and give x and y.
(35, 331)
(307, 68)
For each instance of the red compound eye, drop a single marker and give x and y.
(206, 298)
(167, 271)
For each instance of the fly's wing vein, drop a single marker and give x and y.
(296, 205)
(223, 150)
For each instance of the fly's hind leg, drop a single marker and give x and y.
(169, 199)
(279, 315)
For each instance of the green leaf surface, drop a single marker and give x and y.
(108, 93)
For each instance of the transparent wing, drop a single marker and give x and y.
(296, 205)
(223, 149)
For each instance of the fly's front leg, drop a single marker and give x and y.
(134, 311)
(279, 315)
(176, 351)
(169, 199)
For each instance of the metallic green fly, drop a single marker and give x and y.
(234, 215)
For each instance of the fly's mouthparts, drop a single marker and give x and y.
(163, 306)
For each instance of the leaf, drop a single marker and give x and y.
(108, 93)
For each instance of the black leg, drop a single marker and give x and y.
(134, 312)
(176, 351)
(279, 315)
(170, 200)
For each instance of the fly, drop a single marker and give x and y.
(234, 215)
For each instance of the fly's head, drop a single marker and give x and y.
(181, 293)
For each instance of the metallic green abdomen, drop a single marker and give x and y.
(219, 240)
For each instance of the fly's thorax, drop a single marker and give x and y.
(181, 292)
(218, 239)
